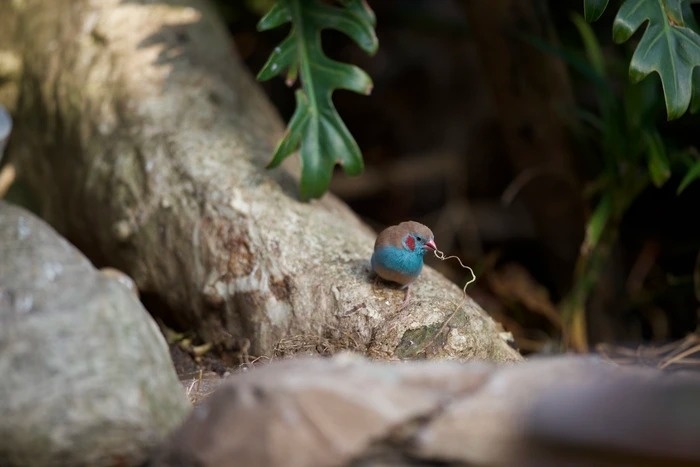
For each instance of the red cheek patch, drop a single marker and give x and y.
(411, 243)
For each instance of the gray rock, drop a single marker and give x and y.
(85, 375)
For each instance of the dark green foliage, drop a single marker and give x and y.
(669, 46)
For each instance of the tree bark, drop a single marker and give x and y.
(146, 141)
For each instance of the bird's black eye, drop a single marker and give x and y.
(419, 239)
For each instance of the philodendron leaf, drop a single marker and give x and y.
(593, 9)
(316, 126)
(669, 46)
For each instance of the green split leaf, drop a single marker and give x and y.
(670, 46)
(316, 126)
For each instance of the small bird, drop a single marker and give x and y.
(398, 253)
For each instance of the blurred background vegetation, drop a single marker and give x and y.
(511, 129)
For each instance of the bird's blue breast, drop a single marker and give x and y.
(408, 263)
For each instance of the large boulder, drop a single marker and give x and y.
(85, 375)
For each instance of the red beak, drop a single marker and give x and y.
(431, 245)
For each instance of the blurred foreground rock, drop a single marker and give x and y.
(348, 411)
(85, 375)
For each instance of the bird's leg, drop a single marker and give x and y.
(406, 298)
